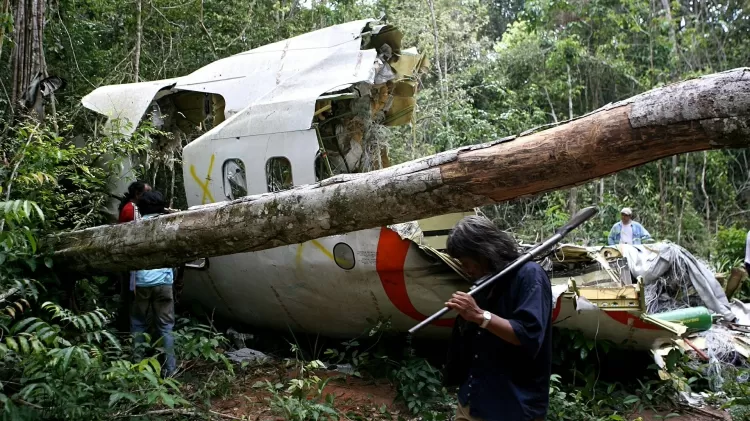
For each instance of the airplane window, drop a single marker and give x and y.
(235, 181)
(279, 174)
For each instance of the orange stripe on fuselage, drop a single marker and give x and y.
(625, 317)
(389, 263)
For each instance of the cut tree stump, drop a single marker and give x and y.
(710, 112)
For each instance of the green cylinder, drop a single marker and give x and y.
(694, 318)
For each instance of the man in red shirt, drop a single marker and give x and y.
(128, 209)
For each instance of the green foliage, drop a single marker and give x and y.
(566, 404)
(68, 180)
(200, 342)
(350, 353)
(303, 398)
(729, 248)
(57, 362)
(579, 355)
(420, 388)
(363, 353)
(71, 365)
(651, 394)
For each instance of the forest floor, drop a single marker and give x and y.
(354, 397)
(364, 399)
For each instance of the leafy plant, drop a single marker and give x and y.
(196, 341)
(73, 367)
(730, 245)
(368, 359)
(565, 404)
(420, 388)
(303, 398)
(652, 394)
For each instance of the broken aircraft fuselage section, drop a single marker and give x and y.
(296, 112)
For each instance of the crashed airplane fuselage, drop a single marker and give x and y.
(296, 112)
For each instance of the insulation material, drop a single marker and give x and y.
(671, 274)
(742, 311)
(724, 359)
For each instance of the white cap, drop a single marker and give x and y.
(626, 211)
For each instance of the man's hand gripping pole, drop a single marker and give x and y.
(535, 252)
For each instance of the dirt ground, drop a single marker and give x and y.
(357, 398)
(368, 399)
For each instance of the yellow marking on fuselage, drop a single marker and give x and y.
(204, 184)
(322, 248)
(299, 254)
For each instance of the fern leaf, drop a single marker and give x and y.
(112, 340)
(12, 344)
(67, 355)
(30, 237)
(27, 209)
(37, 346)
(46, 333)
(26, 392)
(38, 211)
(33, 329)
(86, 322)
(19, 327)
(24, 343)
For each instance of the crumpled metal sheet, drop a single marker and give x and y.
(127, 102)
(269, 89)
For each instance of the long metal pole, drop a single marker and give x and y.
(537, 251)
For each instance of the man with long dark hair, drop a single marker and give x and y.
(501, 353)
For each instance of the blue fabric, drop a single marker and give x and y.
(154, 303)
(506, 381)
(640, 235)
(153, 277)
(139, 326)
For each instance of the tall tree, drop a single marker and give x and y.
(27, 61)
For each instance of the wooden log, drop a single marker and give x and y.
(705, 113)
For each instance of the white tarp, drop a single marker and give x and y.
(652, 261)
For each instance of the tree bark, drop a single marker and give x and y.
(27, 57)
(705, 194)
(5, 10)
(436, 40)
(684, 199)
(706, 113)
(573, 193)
(672, 36)
(138, 40)
(662, 200)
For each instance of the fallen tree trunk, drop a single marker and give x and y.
(706, 113)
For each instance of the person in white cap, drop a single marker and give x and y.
(628, 231)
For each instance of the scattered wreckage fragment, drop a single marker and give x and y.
(636, 295)
(675, 303)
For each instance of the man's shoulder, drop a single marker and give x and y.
(532, 270)
(616, 224)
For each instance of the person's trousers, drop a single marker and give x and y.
(160, 302)
(462, 414)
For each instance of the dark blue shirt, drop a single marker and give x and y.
(505, 381)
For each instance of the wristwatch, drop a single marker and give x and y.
(487, 316)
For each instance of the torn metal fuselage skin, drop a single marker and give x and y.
(296, 112)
